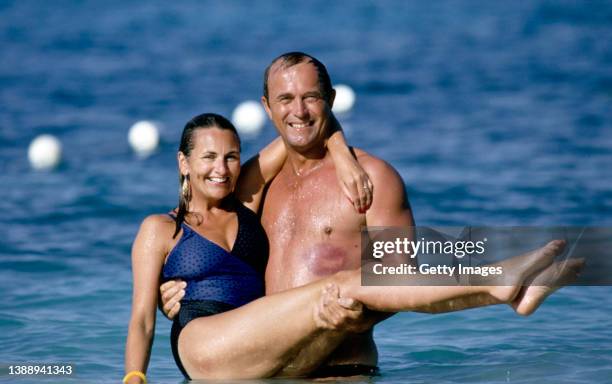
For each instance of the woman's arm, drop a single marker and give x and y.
(148, 253)
(259, 171)
(353, 180)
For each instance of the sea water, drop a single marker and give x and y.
(494, 113)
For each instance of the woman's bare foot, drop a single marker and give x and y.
(519, 268)
(544, 283)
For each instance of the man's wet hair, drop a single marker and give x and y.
(290, 59)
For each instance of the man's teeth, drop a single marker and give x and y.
(218, 179)
(298, 125)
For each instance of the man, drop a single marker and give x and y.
(312, 229)
(304, 210)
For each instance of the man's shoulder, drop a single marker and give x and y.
(390, 205)
(389, 187)
(378, 169)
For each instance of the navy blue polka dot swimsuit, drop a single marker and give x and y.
(217, 280)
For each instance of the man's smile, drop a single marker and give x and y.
(300, 125)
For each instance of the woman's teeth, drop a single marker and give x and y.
(298, 125)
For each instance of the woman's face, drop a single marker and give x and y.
(213, 165)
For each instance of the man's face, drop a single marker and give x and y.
(296, 105)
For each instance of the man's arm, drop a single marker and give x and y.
(390, 208)
(170, 294)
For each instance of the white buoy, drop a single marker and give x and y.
(45, 152)
(249, 117)
(144, 137)
(345, 98)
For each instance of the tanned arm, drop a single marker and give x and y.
(148, 253)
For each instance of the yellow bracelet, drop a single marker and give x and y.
(135, 373)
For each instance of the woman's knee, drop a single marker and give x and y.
(196, 353)
(202, 364)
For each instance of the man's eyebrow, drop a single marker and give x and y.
(284, 96)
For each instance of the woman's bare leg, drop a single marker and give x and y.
(451, 298)
(261, 338)
(545, 283)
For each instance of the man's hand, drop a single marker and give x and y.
(171, 292)
(340, 313)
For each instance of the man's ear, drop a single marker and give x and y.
(264, 102)
(332, 97)
(182, 163)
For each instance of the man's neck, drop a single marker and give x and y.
(304, 163)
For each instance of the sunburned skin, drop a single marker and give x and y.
(314, 232)
(312, 229)
(325, 259)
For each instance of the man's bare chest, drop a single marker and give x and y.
(313, 209)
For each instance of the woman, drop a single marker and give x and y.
(216, 243)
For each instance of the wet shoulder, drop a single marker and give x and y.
(380, 172)
(158, 222)
(161, 227)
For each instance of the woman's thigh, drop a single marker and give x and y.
(258, 339)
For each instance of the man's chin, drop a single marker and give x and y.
(300, 143)
(301, 148)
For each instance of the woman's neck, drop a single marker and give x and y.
(207, 207)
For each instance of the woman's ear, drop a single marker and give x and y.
(182, 163)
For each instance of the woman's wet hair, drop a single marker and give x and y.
(203, 121)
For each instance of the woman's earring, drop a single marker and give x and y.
(185, 188)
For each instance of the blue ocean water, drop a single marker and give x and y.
(495, 113)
